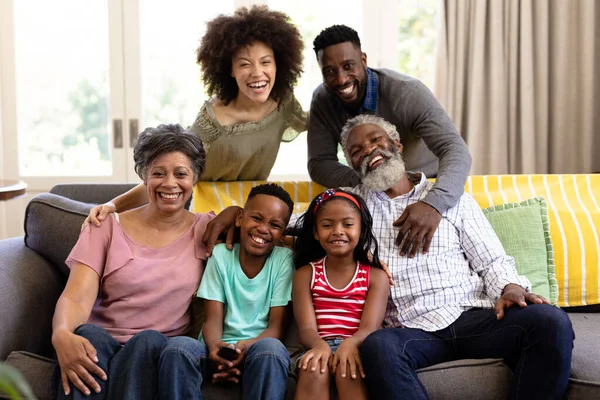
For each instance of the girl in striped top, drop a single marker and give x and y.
(338, 298)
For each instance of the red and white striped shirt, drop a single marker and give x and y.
(338, 311)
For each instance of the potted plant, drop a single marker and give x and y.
(13, 384)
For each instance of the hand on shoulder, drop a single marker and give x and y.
(98, 214)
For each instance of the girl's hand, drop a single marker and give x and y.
(347, 355)
(98, 214)
(77, 359)
(317, 356)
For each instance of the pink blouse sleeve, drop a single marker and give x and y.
(92, 246)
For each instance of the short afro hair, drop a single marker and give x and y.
(335, 34)
(273, 189)
(154, 142)
(226, 34)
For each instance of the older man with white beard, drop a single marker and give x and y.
(463, 298)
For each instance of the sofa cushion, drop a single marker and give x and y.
(37, 370)
(52, 226)
(573, 208)
(585, 364)
(454, 380)
(523, 228)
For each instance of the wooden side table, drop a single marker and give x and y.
(11, 189)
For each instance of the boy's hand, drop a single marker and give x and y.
(317, 357)
(241, 348)
(221, 364)
(232, 375)
(347, 355)
(222, 223)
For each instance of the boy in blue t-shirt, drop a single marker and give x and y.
(246, 292)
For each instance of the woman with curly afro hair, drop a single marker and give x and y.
(250, 63)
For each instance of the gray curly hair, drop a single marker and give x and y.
(365, 119)
(154, 142)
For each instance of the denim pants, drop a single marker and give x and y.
(148, 366)
(264, 370)
(536, 343)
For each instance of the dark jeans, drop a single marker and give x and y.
(148, 366)
(264, 370)
(536, 343)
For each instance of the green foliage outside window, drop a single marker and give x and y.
(417, 32)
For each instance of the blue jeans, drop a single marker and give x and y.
(147, 366)
(536, 343)
(264, 370)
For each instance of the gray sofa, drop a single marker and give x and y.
(33, 274)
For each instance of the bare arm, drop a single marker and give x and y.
(304, 310)
(212, 331)
(347, 355)
(224, 222)
(319, 352)
(75, 304)
(76, 355)
(133, 198)
(276, 328)
(375, 304)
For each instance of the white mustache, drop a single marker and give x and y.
(364, 166)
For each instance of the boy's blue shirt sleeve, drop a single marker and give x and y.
(282, 288)
(211, 287)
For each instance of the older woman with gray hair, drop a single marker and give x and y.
(117, 325)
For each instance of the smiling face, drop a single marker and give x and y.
(169, 181)
(338, 227)
(254, 70)
(262, 223)
(375, 156)
(343, 67)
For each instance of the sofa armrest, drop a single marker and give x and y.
(91, 192)
(29, 289)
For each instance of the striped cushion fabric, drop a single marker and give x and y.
(573, 207)
(215, 196)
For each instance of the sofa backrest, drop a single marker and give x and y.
(573, 210)
(52, 226)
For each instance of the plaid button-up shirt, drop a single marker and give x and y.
(466, 265)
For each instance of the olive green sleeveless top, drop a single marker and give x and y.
(246, 151)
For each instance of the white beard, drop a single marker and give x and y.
(388, 174)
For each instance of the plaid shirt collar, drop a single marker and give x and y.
(370, 103)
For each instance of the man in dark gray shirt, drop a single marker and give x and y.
(431, 143)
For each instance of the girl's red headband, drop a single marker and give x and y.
(329, 193)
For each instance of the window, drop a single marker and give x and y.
(62, 87)
(311, 17)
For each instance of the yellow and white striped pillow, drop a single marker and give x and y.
(573, 206)
(215, 196)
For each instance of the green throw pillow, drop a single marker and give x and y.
(524, 230)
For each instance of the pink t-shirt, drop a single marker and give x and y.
(141, 287)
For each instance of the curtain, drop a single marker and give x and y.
(521, 80)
